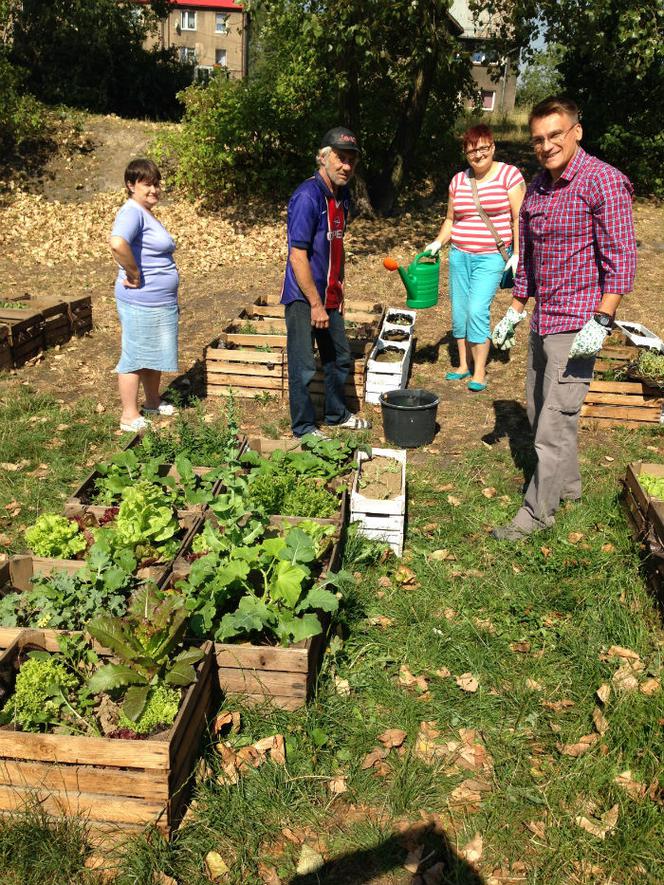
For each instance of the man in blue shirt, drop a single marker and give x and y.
(313, 292)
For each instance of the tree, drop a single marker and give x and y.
(90, 54)
(612, 64)
(376, 67)
(540, 77)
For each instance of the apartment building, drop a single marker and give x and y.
(494, 75)
(210, 33)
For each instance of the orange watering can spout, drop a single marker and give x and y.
(393, 264)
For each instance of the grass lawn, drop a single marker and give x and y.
(472, 667)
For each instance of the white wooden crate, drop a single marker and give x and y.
(393, 538)
(392, 310)
(360, 503)
(640, 335)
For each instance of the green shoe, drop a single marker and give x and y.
(457, 376)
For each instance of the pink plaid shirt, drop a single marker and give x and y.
(576, 243)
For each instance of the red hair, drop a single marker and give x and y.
(481, 132)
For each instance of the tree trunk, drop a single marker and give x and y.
(389, 181)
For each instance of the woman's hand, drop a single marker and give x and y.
(132, 282)
(433, 248)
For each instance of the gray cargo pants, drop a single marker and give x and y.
(555, 390)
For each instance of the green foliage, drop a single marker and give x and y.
(43, 686)
(144, 642)
(203, 442)
(160, 710)
(654, 485)
(56, 537)
(146, 523)
(90, 54)
(389, 70)
(21, 116)
(540, 77)
(65, 601)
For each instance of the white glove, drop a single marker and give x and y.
(511, 264)
(588, 340)
(503, 334)
(433, 248)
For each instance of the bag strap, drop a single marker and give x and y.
(485, 218)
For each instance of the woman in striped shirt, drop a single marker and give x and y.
(476, 263)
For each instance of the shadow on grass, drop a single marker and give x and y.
(512, 422)
(441, 865)
(188, 386)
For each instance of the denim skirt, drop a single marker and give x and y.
(149, 338)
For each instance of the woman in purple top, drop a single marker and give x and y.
(146, 293)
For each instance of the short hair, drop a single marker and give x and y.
(141, 170)
(555, 104)
(322, 154)
(476, 133)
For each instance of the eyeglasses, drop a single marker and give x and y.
(557, 137)
(480, 152)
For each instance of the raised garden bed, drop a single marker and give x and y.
(645, 514)
(622, 403)
(26, 333)
(6, 361)
(116, 785)
(378, 497)
(247, 372)
(387, 368)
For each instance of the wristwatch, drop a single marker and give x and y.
(604, 319)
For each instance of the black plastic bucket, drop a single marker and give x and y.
(409, 417)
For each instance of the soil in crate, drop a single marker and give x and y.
(389, 355)
(380, 479)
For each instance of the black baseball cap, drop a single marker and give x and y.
(342, 138)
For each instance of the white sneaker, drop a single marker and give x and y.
(136, 426)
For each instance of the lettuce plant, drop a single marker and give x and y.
(56, 537)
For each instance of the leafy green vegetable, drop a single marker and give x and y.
(146, 523)
(654, 485)
(42, 687)
(56, 537)
(161, 708)
(144, 641)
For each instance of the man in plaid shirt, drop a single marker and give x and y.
(577, 259)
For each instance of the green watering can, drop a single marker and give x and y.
(420, 279)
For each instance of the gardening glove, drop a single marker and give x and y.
(588, 340)
(511, 264)
(503, 333)
(433, 248)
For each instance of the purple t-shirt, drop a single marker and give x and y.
(152, 247)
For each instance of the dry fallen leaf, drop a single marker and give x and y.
(467, 682)
(405, 576)
(618, 651)
(442, 555)
(633, 788)
(309, 861)
(537, 828)
(574, 537)
(455, 502)
(393, 737)
(600, 826)
(226, 720)
(163, 879)
(268, 874)
(580, 747)
(472, 851)
(600, 721)
(558, 706)
(342, 686)
(469, 794)
(384, 581)
(374, 757)
(650, 686)
(607, 548)
(215, 866)
(604, 692)
(5, 540)
(407, 679)
(533, 685)
(545, 551)
(522, 647)
(624, 679)
(443, 673)
(338, 785)
(381, 621)
(489, 492)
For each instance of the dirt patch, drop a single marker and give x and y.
(380, 478)
(58, 244)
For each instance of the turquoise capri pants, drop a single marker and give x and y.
(474, 279)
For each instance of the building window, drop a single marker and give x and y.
(188, 20)
(220, 57)
(488, 99)
(187, 55)
(478, 57)
(221, 23)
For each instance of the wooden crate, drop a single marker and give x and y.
(372, 306)
(248, 372)
(114, 784)
(80, 313)
(57, 325)
(6, 361)
(354, 312)
(26, 333)
(622, 403)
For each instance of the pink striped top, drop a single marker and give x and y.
(469, 232)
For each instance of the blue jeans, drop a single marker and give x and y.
(474, 279)
(334, 353)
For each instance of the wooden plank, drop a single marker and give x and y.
(280, 702)
(242, 392)
(214, 370)
(619, 399)
(83, 779)
(83, 750)
(263, 681)
(259, 381)
(228, 355)
(645, 415)
(255, 340)
(626, 387)
(610, 422)
(182, 721)
(95, 806)
(256, 657)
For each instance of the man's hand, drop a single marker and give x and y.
(588, 341)
(319, 317)
(503, 333)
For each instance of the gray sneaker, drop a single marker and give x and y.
(510, 532)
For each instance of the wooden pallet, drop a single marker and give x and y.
(113, 784)
(622, 403)
(6, 361)
(247, 372)
(57, 325)
(26, 333)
